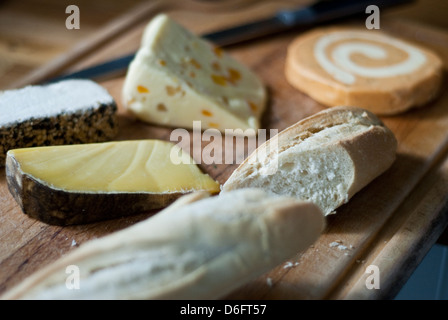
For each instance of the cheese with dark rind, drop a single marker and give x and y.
(83, 183)
(66, 112)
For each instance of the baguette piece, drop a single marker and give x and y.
(325, 158)
(198, 248)
(66, 112)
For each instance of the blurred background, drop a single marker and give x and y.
(32, 32)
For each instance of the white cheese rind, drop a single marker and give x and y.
(177, 78)
(66, 112)
(36, 102)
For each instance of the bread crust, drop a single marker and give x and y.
(371, 152)
(243, 239)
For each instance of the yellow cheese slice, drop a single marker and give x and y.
(124, 166)
(177, 78)
(75, 184)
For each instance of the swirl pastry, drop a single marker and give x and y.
(366, 68)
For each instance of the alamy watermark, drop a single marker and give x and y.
(72, 282)
(373, 278)
(373, 21)
(73, 20)
(212, 147)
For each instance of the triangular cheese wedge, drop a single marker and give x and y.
(89, 182)
(177, 78)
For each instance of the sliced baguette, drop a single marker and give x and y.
(198, 248)
(325, 158)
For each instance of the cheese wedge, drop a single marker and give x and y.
(66, 112)
(90, 182)
(177, 78)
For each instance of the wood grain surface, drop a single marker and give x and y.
(391, 223)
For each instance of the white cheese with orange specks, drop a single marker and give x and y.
(177, 78)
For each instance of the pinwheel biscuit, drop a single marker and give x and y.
(364, 68)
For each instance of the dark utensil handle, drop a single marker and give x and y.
(327, 10)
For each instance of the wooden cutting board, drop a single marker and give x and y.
(391, 223)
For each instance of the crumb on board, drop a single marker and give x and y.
(338, 244)
(334, 244)
(290, 264)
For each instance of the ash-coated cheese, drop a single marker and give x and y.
(66, 112)
(177, 78)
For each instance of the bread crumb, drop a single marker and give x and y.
(334, 244)
(74, 243)
(339, 245)
(269, 282)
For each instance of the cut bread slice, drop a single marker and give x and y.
(198, 248)
(89, 182)
(325, 158)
